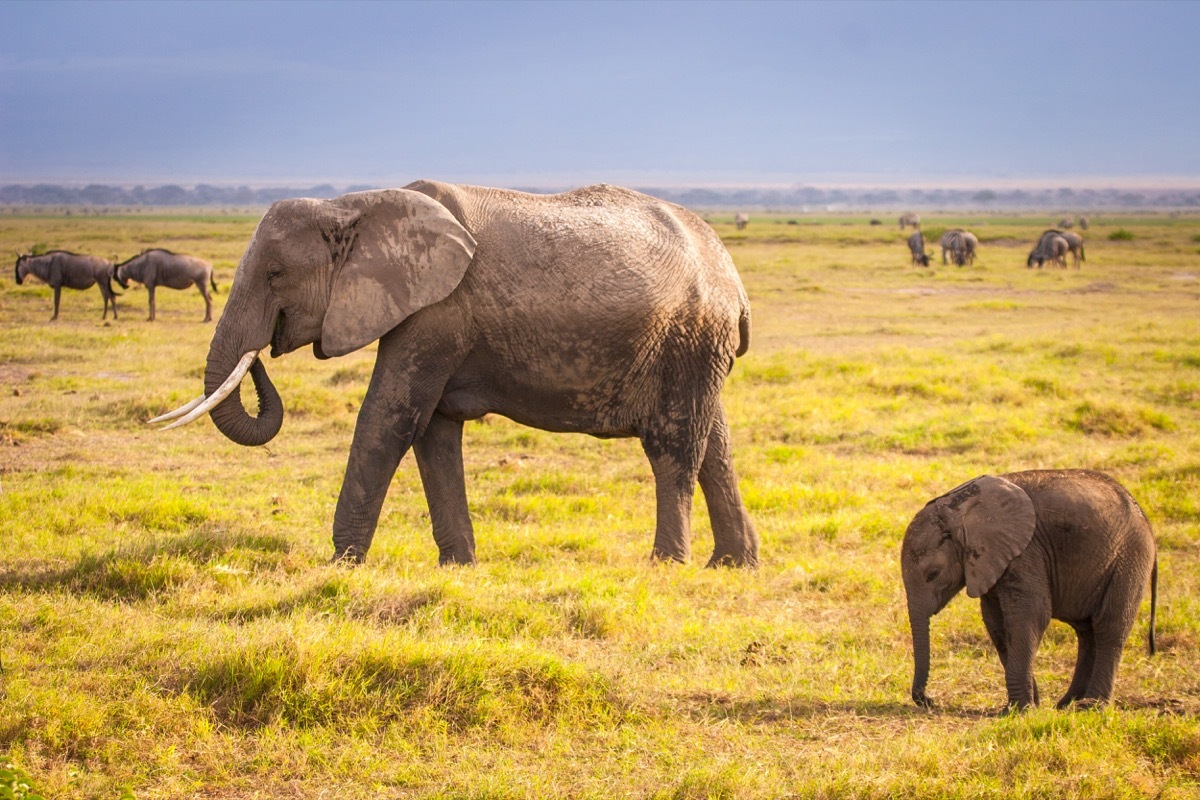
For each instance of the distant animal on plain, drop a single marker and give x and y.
(58, 268)
(876, 222)
(158, 267)
(1066, 222)
(741, 220)
(960, 245)
(1074, 244)
(1051, 247)
(910, 218)
(1083, 223)
(916, 246)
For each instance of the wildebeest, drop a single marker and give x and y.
(960, 245)
(58, 268)
(741, 220)
(1051, 247)
(158, 267)
(1074, 244)
(916, 246)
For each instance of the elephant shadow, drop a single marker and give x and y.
(709, 706)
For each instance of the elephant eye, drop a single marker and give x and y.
(931, 575)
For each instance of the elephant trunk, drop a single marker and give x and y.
(230, 415)
(919, 621)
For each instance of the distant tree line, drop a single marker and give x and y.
(798, 197)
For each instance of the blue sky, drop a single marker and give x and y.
(558, 93)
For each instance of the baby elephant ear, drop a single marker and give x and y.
(993, 521)
(403, 251)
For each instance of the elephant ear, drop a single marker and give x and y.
(403, 251)
(993, 520)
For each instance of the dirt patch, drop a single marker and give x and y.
(1093, 288)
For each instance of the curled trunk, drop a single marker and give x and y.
(230, 416)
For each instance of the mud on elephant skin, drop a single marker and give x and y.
(599, 311)
(1071, 545)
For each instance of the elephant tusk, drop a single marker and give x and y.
(223, 391)
(179, 412)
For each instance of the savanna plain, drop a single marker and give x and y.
(170, 624)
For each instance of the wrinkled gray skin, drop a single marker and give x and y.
(599, 311)
(1070, 545)
(58, 268)
(1053, 247)
(916, 246)
(154, 268)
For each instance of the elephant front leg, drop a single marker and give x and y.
(380, 440)
(735, 540)
(1024, 624)
(439, 459)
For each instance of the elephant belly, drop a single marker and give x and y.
(535, 408)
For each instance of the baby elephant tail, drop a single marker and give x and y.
(1153, 601)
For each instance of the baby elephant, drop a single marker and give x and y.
(1071, 545)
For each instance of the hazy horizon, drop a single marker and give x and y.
(783, 94)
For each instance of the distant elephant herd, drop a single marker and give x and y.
(960, 245)
(608, 312)
(151, 268)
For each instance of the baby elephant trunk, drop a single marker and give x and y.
(919, 621)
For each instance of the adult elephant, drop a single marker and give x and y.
(598, 311)
(1071, 545)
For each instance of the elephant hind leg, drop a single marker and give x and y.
(735, 540)
(1084, 660)
(675, 452)
(439, 459)
(1111, 625)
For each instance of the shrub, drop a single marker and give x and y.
(1120, 235)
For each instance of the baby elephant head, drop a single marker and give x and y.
(966, 537)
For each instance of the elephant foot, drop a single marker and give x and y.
(1081, 704)
(456, 559)
(350, 557)
(659, 556)
(748, 560)
(923, 701)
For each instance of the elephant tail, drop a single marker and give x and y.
(1153, 602)
(744, 330)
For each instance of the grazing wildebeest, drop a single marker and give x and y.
(160, 267)
(58, 268)
(960, 245)
(1074, 244)
(1051, 247)
(916, 246)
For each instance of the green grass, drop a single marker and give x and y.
(170, 626)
